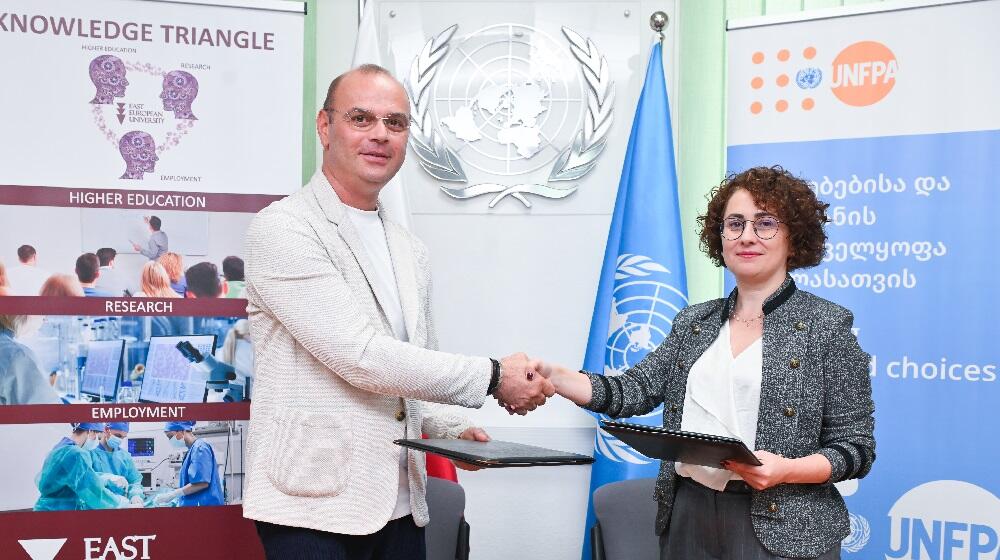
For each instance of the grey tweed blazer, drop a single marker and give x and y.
(333, 388)
(815, 398)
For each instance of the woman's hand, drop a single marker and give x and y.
(773, 472)
(569, 383)
(541, 367)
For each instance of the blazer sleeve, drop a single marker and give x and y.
(640, 389)
(292, 278)
(847, 433)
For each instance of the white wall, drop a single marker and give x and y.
(508, 283)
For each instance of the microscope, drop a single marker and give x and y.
(219, 375)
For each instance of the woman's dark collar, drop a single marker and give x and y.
(772, 302)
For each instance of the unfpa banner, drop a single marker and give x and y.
(892, 115)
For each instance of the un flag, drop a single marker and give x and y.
(643, 283)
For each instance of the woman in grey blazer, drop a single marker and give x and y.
(773, 365)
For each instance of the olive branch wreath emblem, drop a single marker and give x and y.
(437, 159)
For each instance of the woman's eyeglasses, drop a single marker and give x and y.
(765, 227)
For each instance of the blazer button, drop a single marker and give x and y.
(696, 329)
(773, 508)
(673, 409)
(800, 326)
(795, 363)
(789, 412)
(400, 415)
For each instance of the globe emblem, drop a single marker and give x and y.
(508, 99)
(643, 309)
(643, 306)
(859, 536)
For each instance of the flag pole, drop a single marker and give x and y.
(658, 22)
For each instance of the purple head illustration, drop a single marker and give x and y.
(139, 152)
(108, 74)
(179, 90)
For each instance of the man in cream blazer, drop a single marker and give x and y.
(346, 356)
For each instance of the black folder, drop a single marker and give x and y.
(495, 453)
(687, 447)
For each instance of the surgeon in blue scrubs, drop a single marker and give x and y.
(114, 464)
(68, 480)
(199, 483)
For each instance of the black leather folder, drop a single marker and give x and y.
(687, 447)
(494, 453)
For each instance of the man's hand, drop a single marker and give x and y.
(136, 247)
(472, 434)
(521, 390)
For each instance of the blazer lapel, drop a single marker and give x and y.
(335, 212)
(401, 253)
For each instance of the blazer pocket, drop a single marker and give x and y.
(310, 453)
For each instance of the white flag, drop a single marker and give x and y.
(366, 51)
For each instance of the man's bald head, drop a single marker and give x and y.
(367, 69)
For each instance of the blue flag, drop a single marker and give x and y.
(643, 283)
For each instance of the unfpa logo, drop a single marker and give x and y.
(945, 519)
(864, 73)
(788, 80)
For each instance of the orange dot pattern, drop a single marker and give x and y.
(782, 80)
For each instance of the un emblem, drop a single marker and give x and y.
(643, 307)
(528, 112)
(860, 533)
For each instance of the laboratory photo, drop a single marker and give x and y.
(107, 252)
(119, 465)
(67, 359)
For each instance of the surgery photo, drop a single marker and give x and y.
(117, 465)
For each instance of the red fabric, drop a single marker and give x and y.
(439, 467)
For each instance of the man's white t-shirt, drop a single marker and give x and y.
(372, 233)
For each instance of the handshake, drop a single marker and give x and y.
(524, 384)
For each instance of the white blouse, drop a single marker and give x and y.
(722, 398)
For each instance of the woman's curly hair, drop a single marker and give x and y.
(784, 195)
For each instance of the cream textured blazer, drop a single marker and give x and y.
(329, 376)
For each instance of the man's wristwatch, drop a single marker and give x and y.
(496, 378)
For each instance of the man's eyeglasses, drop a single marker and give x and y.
(363, 119)
(765, 227)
